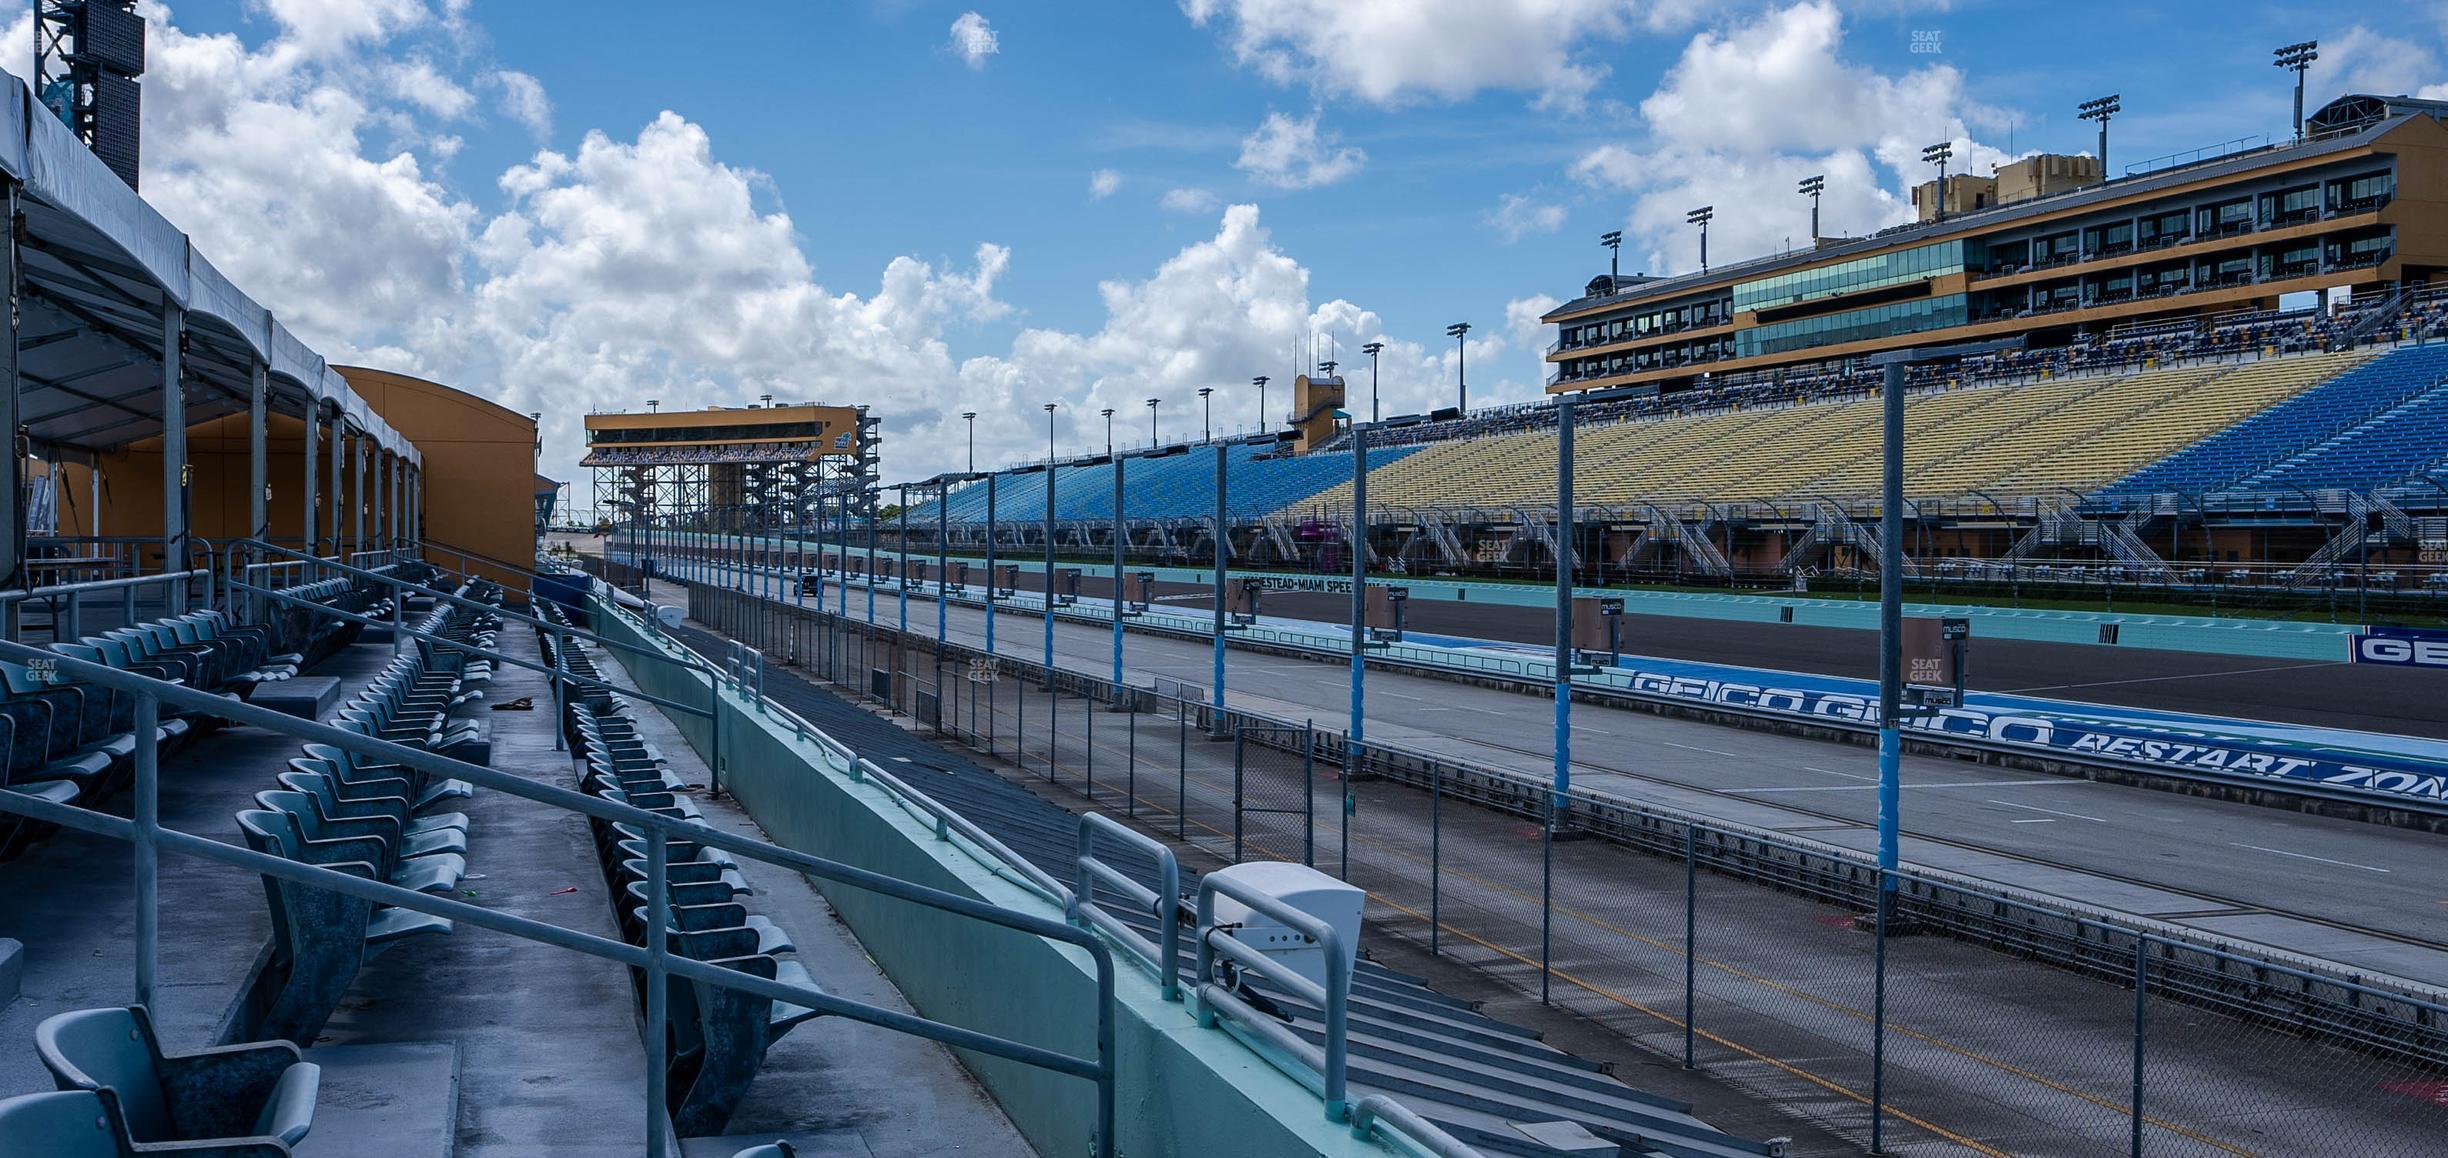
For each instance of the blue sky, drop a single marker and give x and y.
(580, 205)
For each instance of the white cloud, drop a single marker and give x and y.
(417, 82)
(1517, 216)
(1103, 183)
(524, 100)
(1290, 153)
(2361, 60)
(1747, 111)
(642, 265)
(1392, 51)
(323, 28)
(1189, 200)
(973, 40)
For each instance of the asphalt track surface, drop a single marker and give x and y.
(2367, 896)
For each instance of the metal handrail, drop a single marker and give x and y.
(1327, 1066)
(1163, 901)
(946, 820)
(147, 835)
(1380, 1113)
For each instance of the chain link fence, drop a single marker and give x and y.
(1968, 1021)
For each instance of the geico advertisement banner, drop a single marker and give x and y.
(2197, 744)
(2402, 647)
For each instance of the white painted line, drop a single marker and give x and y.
(2050, 811)
(1698, 748)
(2307, 856)
(2199, 675)
(1874, 787)
(2035, 820)
(1833, 772)
(1591, 730)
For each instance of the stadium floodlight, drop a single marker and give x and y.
(1326, 369)
(651, 403)
(1701, 217)
(1459, 332)
(1152, 439)
(1372, 349)
(1261, 381)
(2299, 57)
(1613, 240)
(1938, 155)
(1108, 412)
(1811, 187)
(1206, 415)
(970, 417)
(766, 399)
(2100, 109)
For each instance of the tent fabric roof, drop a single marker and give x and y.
(101, 269)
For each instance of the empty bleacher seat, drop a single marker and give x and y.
(238, 1092)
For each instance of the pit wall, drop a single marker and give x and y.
(2274, 639)
(1180, 1086)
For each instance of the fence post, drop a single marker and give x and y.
(1236, 796)
(1878, 1017)
(1436, 856)
(1130, 767)
(1088, 710)
(658, 915)
(1181, 773)
(1309, 793)
(1351, 804)
(1547, 898)
(2141, 1021)
(1691, 926)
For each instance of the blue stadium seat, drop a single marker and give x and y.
(2266, 442)
(239, 1092)
(1174, 486)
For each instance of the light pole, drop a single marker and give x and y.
(1372, 349)
(970, 417)
(2100, 109)
(1152, 438)
(1108, 412)
(1049, 546)
(1459, 332)
(1701, 217)
(1938, 155)
(2298, 57)
(1261, 380)
(1206, 415)
(1613, 240)
(1811, 187)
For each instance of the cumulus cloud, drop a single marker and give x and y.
(640, 264)
(1392, 51)
(1103, 183)
(524, 100)
(1747, 111)
(973, 40)
(1291, 153)
(1517, 216)
(2361, 60)
(324, 28)
(1189, 200)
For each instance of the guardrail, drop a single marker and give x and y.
(1327, 1064)
(1163, 902)
(67, 621)
(1378, 1113)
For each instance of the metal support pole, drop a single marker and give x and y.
(357, 493)
(943, 564)
(259, 478)
(1120, 535)
(148, 852)
(1891, 625)
(1357, 543)
(12, 415)
(306, 521)
(902, 553)
(1049, 562)
(339, 477)
(867, 504)
(991, 596)
(1691, 939)
(658, 918)
(1563, 605)
(1223, 548)
(175, 470)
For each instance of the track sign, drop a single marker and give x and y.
(1929, 652)
(2402, 647)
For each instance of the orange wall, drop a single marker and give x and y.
(479, 472)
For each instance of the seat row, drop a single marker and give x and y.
(717, 1036)
(374, 819)
(120, 1094)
